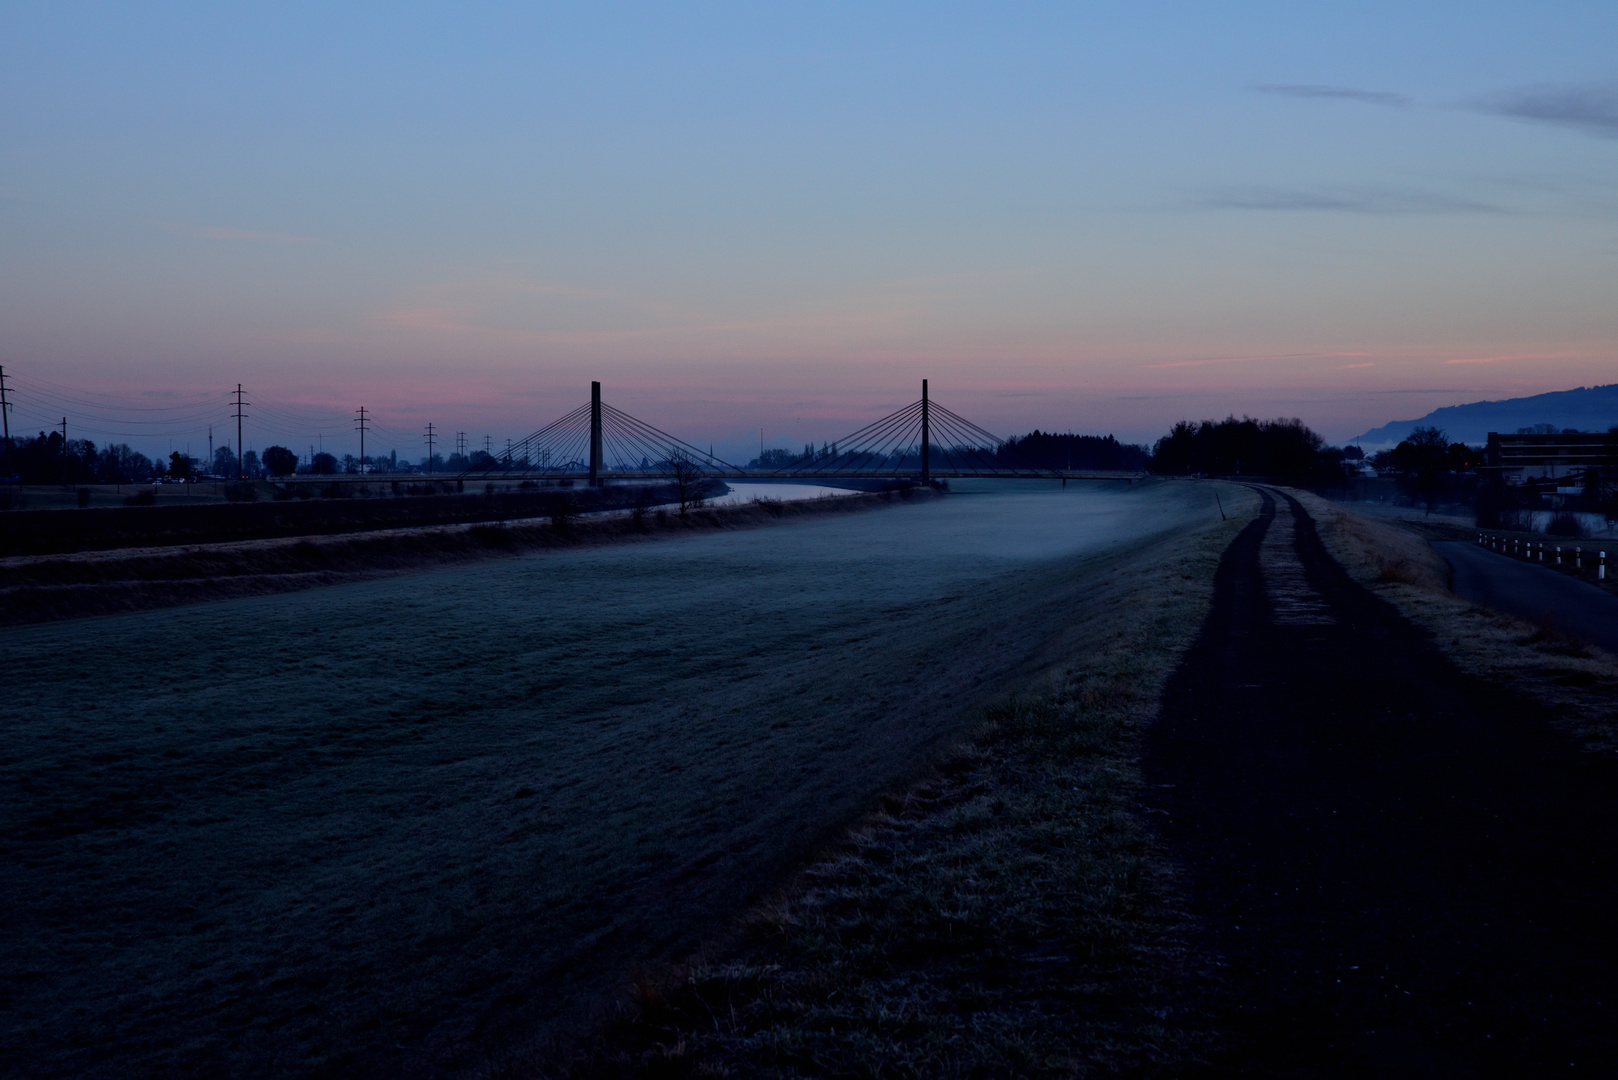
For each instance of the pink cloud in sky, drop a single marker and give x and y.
(1513, 356)
(1243, 359)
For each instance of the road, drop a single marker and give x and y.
(1402, 873)
(1533, 592)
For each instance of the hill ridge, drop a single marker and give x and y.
(1588, 408)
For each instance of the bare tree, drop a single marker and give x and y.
(687, 475)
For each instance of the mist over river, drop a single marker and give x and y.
(380, 828)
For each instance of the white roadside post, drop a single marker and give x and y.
(1558, 554)
(1601, 574)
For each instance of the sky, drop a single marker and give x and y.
(1098, 218)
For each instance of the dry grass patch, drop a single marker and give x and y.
(1572, 679)
(1009, 915)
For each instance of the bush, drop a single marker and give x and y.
(1565, 524)
(141, 498)
(561, 510)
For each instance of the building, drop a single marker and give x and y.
(1561, 455)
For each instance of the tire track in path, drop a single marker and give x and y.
(1399, 871)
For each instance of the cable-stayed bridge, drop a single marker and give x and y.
(922, 442)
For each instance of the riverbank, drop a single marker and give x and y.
(48, 587)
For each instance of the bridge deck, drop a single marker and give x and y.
(619, 476)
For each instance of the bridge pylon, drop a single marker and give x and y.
(595, 434)
(926, 438)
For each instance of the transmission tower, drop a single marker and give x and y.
(431, 438)
(241, 465)
(359, 424)
(5, 416)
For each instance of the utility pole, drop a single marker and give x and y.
(210, 448)
(431, 438)
(5, 416)
(64, 451)
(360, 424)
(508, 453)
(241, 466)
(926, 437)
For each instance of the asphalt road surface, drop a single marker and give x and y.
(1533, 592)
(1400, 872)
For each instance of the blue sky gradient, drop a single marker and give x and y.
(737, 216)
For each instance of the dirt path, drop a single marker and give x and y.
(1533, 592)
(1402, 872)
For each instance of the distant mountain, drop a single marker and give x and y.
(1589, 408)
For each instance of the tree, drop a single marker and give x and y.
(121, 464)
(687, 480)
(1423, 458)
(225, 463)
(1282, 449)
(776, 459)
(323, 464)
(280, 461)
(179, 466)
(1048, 450)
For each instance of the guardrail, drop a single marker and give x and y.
(1569, 559)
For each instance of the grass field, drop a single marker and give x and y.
(1009, 914)
(397, 827)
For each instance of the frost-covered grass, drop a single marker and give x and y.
(393, 827)
(1007, 915)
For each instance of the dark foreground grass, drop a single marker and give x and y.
(1010, 915)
